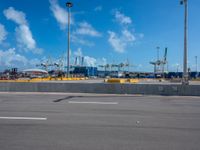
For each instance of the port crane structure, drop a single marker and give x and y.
(159, 64)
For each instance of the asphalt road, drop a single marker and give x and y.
(98, 122)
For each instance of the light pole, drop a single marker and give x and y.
(177, 67)
(157, 52)
(68, 5)
(157, 63)
(185, 70)
(196, 61)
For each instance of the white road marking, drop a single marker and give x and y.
(23, 118)
(103, 103)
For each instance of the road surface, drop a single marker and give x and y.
(98, 122)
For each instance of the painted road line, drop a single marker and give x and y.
(102, 103)
(23, 118)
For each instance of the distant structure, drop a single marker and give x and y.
(116, 70)
(34, 73)
(59, 64)
(52, 65)
(159, 64)
(79, 61)
(45, 64)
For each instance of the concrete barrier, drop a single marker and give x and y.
(104, 88)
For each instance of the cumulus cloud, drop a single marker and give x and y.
(34, 62)
(90, 61)
(98, 8)
(80, 40)
(60, 14)
(87, 29)
(23, 33)
(116, 42)
(83, 30)
(120, 43)
(121, 18)
(102, 61)
(17, 16)
(78, 52)
(10, 58)
(24, 36)
(3, 33)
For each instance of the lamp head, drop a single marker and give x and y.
(183, 2)
(69, 4)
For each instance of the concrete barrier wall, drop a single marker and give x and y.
(104, 88)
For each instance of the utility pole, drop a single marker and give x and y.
(68, 5)
(185, 80)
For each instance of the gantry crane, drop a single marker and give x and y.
(160, 63)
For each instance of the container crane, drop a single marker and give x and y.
(159, 63)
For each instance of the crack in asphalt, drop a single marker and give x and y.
(70, 97)
(66, 98)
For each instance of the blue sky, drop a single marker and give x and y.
(101, 31)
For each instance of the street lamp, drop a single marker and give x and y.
(196, 61)
(157, 62)
(185, 71)
(68, 5)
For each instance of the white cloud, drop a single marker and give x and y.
(80, 40)
(34, 62)
(24, 36)
(60, 14)
(78, 52)
(102, 61)
(122, 19)
(87, 29)
(90, 61)
(120, 43)
(3, 33)
(84, 29)
(10, 58)
(116, 42)
(98, 8)
(17, 16)
(23, 33)
(128, 36)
